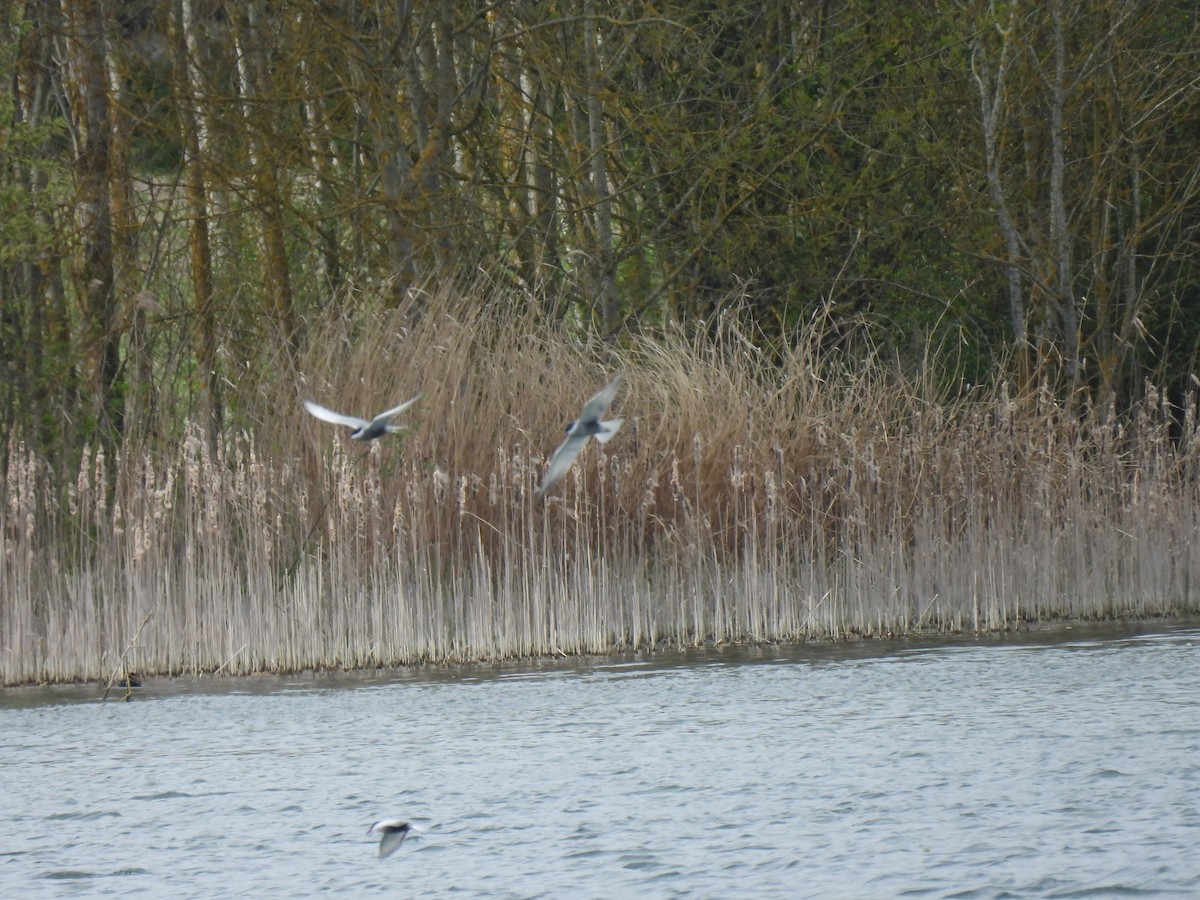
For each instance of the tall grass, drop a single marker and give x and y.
(748, 498)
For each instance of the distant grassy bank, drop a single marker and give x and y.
(751, 496)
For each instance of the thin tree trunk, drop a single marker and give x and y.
(1060, 236)
(991, 99)
(87, 84)
(253, 73)
(543, 265)
(127, 277)
(43, 377)
(605, 262)
(195, 141)
(324, 160)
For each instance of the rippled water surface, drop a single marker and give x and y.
(1032, 766)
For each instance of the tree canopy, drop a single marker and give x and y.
(185, 184)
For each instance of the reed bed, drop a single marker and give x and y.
(748, 498)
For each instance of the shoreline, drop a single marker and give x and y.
(1046, 631)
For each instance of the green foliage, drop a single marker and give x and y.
(817, 162)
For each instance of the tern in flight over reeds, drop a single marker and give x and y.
(588, 425)
(393, 832)
(363, 430)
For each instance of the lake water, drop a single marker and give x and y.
(1060, 766)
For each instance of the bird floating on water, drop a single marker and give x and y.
(588, 425)
(363, 430)
(393, 832)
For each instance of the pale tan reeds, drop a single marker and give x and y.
(750, 497)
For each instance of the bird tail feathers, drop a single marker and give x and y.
(608, 430)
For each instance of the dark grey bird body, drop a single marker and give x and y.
(588, 425)
(363, 430)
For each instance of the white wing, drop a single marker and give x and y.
(328, 415)
(607, 430)
(390, 843)
(392, 833)
(566, 453)
(384, 416)
(597, 406)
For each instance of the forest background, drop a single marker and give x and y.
(211, 210)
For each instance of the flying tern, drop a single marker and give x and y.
(393, 832)
(588, 425)
(363, 430)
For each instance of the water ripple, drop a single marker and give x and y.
(1045, 769)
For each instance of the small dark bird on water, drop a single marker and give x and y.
(393, 832)
(363, 430)
(588, 425)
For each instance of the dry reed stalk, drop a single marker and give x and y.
(747, 499)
